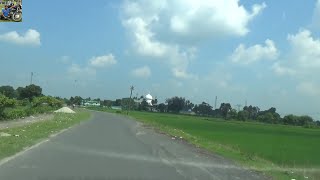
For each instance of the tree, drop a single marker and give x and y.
(77, 100)
(127, 103)
(272, 114)
(107, 103)
(304, 120)
(143, 106)
(243, 115)
(204, 109)
(253, 111)
(297, 120)
(117, 102)
(225, 108)
(8, 91)
(267, 118)
(188, 105)
(175, 104)
(162, 107)
(233, 114)
(30, 92)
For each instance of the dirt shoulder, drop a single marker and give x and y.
(25, 121)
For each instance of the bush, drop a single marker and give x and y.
(15, 113)
(119, 112)
(5, 103)
(46, 100)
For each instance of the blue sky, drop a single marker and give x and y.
(265, 52)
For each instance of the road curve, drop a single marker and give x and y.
(110, 146)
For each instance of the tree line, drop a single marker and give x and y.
(225, 111)
(177, 105)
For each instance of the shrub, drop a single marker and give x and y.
(15, 113)
(5, 102)
(46, 100)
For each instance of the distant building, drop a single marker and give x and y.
(91, 103)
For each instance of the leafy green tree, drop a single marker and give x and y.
(117, 102)
(297, 120)
(143, 106)
(233, 114)
(8, 91)
(107, 103)
(188, 105)
(267, 118)
(127, 103)
(243, 115)
(77, 100)
(204, 109)
(175, 104)
(225, 108)
(304, 120)
(30, 92)
(162, 107)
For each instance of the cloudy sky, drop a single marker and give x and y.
(265, 52)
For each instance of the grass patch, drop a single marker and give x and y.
(34, 133)
(276, 150)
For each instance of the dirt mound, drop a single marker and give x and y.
(64, 110)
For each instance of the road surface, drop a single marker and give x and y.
(114, 147)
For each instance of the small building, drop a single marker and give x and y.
(91, 103)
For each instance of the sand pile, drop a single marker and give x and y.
(65, 110)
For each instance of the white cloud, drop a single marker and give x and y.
(31, 37)
(302, 63)
(309, 88)
(142, 72)
(303, 60)
(102, 61)
(65, 59)
(211, 17)
(281, 70)
(77, 71)
(157, 27)
(244, 55)
(305, 49)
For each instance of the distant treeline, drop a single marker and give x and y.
(225, 111)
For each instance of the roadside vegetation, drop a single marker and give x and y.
(14, 140)
(25, 101)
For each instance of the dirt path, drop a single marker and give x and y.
(25, 121)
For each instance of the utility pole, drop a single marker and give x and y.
(131, 89)
(31, 78)
(246, 103)
(215, 103)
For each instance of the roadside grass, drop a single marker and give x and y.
(26, 136)
(282, 152)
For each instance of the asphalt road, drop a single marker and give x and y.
(113, 147)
